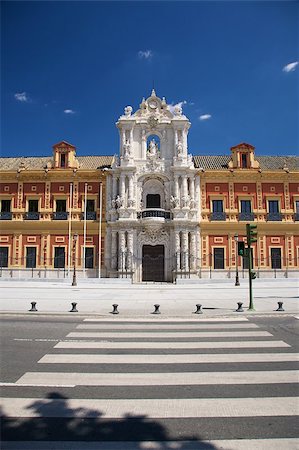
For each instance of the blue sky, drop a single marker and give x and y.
(69, 68)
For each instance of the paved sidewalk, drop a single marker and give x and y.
(217, 297)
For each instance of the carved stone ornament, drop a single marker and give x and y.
(153, 122)
(128, 111)
(174, 201)
(131, 202)
(127, 150)
(179, 148)
(153, 236)
(119, 202)
(177, 111)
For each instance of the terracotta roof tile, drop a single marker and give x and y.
(39, 163)
(211, 162)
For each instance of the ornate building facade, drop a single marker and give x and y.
(155, 213)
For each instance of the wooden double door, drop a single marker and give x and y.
(153, 263)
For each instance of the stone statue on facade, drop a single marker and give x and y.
(174, 201)
(152, 148)
(128, 111)
(119, 202)
(127, 150)
(177, 111)
(179, 148)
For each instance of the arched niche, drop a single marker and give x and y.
(153, 144)
(151, 189)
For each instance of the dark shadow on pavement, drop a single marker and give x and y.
(54, 420)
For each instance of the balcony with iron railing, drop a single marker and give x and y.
(274, 217)
(6, 215)
(90, 215)
(62, 215)
(154, 214)
(248, 216)
(218, 216)
(32, 216)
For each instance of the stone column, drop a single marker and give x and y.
(113, 249)
(185, 248)
(114, 186)
(122, 187)
(176, 186)
(122, 248)
(193, 251)
(143, 144)
(192, 189)
(177, 250)
(130, 250)
(130, 193)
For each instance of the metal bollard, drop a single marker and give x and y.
(74, 309)
(33, 307)
(156, 309)
(280, 308)
(115, 311)
(198, 309)
(240, 309)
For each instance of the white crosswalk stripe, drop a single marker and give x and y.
(144, 379)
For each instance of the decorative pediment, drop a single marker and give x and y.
(243, 157)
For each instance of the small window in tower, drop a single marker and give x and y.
(244, 161)
(62, 160)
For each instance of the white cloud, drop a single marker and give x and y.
(21, 97)
(145, 54)
(205, 117)
(172, 106)
(69, 111)
(290, 67)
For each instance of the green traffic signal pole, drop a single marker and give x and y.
(251, 237)
(251, 307)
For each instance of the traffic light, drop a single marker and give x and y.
(252, 275)
(251, 233)
(241, 248)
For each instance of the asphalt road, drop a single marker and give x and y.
(51, 412)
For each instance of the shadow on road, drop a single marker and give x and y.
(54, 420)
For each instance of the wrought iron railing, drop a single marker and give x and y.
(249, 216)
(218, 216)
(275, 217)
(154, 213)
(6, 215)
(62, 215)
(32, 215)
(90, 215)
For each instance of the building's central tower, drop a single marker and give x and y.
(152, 196)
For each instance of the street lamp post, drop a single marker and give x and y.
(237, 282)
(74, 283)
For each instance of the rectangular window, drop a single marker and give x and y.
(32, 205)
(59, 257)
(273, 206)
(245, 206)
(90, 206)
(89, 257)
(276, 258)
(62, 160)
(244, 161)
(60, 205)
(3, 256)
(219, 258)
(5, 205)
(217, 206)
(30, 257)
(297, 207)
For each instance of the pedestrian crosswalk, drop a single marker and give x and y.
(217, 383)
